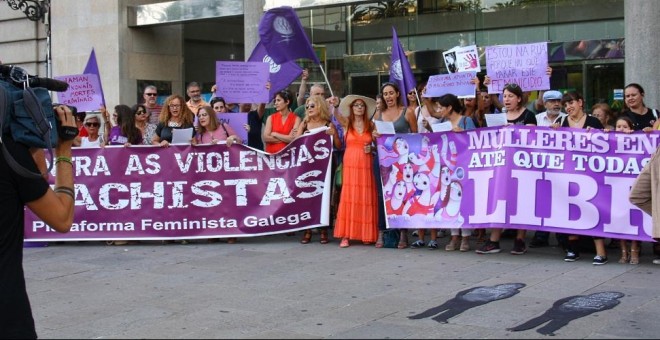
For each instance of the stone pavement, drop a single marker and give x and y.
(275, 287)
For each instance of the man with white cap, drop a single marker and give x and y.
(552, 103)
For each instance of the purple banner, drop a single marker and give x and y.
(281, 76)
(186, 192)
(400, 71)
(283, 36)
(525, 65)
(559, 180)
(242, 82)
(92, 67)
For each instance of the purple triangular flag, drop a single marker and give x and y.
(283, 36)
(400, 71)
(93, 68)
(281, 75)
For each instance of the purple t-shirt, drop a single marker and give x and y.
(117, 138)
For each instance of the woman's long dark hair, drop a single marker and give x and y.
(126, 122)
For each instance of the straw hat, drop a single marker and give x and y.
(346, 101)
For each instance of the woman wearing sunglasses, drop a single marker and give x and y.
(317, 115)
(147, 130)
(357, 214)
(94, 139)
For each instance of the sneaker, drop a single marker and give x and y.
(536, 243)
(489, 248)
(433, 244)
(656, 260)
(417, 244)
(519, 247)
(599, 260)
(415, 233)
(571, 256)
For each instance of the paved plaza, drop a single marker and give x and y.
(275, 287)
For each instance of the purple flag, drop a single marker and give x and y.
(400, 71)
(283, 36)
(280, 75)
(93, 68)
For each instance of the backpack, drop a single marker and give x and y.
(27, 116)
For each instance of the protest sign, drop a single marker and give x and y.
(237, 121)
(525, 65)
(536, 178)
(242, 82)
(84, 92)
(459, 84)
(462, 59)
(189, 192)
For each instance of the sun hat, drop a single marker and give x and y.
(346, 101)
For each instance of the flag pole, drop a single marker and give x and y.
(326, 80)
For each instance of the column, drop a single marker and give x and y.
(642, 27)
(252, 12)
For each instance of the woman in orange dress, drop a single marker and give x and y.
(357, 215)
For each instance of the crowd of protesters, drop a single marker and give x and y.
(358, 210)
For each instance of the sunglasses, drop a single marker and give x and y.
(151, 94)
(310, 106)
(359, 105)
(92, 124)
(140, 112)
(511, 86)
(175, 106)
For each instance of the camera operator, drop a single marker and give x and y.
(54, 207)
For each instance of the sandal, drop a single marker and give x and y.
(379, 241)
(307, 236)
(403, 240)
(624, 256)
(634, 256)
(324, 236)
(232, 240)
(344, 243)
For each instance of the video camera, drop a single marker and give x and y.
(34, 101)
(27, 114)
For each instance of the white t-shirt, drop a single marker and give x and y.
(542, 118)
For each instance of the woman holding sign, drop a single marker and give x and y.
(578, 119)
(516, 114)
(404, 120)
(147, 129)
(125, 132)
(211, 131)
(317, 116)
(175, 115)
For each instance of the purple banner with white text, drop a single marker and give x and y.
(188, 192)
(559, 180)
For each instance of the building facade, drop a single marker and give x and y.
(172, 43)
